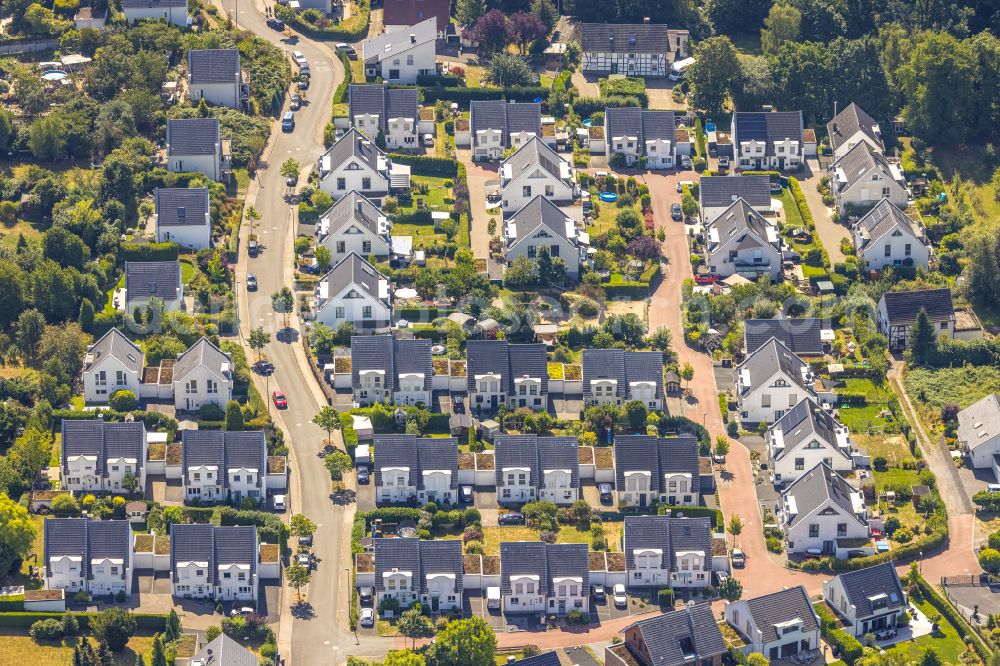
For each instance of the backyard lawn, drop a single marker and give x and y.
(16, 647)
(492, 536)
(891, 447)
(947, 643)
(188, 270)
(438, 198)
(860, 419)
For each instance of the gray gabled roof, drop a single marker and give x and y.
(104, 439)
(538, 454)
(859, 161)
(644, 366)
(782, 606)
(353, 270)
(509, 118)
(213, 66)
(849, 122)
(417, 455)
(507, 360)
(814, 488)
(394, 356)
(224, 449)
(145, 279)
(116, 345)
(801, 335)
(685, 636)
(670, 535)
(544, 659)
(534, 153)
(224, 651)
(902, 307)
(89, 540)
(604, 364)
(805, 422)
(627, 37)
(884, 218)
(979, 423)
(769, 359)
(863, 585)
(353, 208)
(658, 456)
(384, 102)
(767, 126)
(643, 124)
(412, 355)
(740, 222)
(547, 561)
(182, 206)
(214, 545)
(422, 558)
(719, 191)
(203, 353)
(391, 44)
(144, 4)
(529, 360)
(540, 212)
(193, 136)
(353, 144)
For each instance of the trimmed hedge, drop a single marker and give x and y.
(437, 80)
(149, 621)
(683, 424)
(423, 314)
(13, 602)
(629, 290)
(695, 512)
(912, 550)
(341, 92)
(151, 252)
(462, 95)
(153, 420)
(848, 647)
(948, 612)
(426, 165)
(294, 19)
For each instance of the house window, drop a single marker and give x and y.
(765, 400)
(341, 247)
(888, 250)
(213, 386)
(120, 376)
(907, 251)
(101, 379)
(191, 386)
(944, 326)
(800, 463)
(526, 191)
(366, 247)
(841, 529)
(813, 531)
(339, 312)
(366, 183)
(885, 192)
(366, 312)
(341, 184)
(554, 251)
(531, 252)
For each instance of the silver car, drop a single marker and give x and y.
(367, 617)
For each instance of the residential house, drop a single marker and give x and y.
(112, 364)
(214, 75)
(802, 335)
(214, 562)
(196, 144)
(403, 55)
(408, 469)
(398, 15)
(661, 551)
(203, 375)
(541, 225)
(101, 456)
(770, 381)
(740, 241)
(544, 659)
(867, 600)
(353, 224)
(90, 18)
(615, 377)
(689, 636)
(898, 310)
(853, 126)
(769, 139)
(418, 571)
(183, 216)
(356, 293)
(863, 177)
(224, 466)
(717, 193)
(385, 369)
(642, 49)
(538, 577)
(529, 468)
(804, 437)
(145, 280)
(822, 512)
(86, 555)
(535, 170)
(224, 651)
(778, 625)
(501, 373)
(391, 112)
(979, 432)
(639, 135)
(885, 236)
(657, 469)
(355, 163)
(495, 126)
(174, 12)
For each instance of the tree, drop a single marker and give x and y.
(524, 29)
(540, 514)
(491, 31)
(403, 658)
(757, 659)
(520, 274)
(234, 416)
(301, 526)
(290, 168)
(469, 11)
(259, 338)
(507, 70)
(687, 372)
(47, 138)
(469, 642)
(297, 577)
(413, 624)
(86, 316)
(930, 658)
(130, 483)
(70, 625)
(715, 69)
(337, 463)
(645, 247)
(172, 628)
(735, 527)
(546, 12)
(283, 302)
(989, 560)
(17, 532)
(737, 16)
(123, 400)
(30, 327)
(781, 25)
(721, 446)
(114, 626)
(324, 258)
(328, 419)
(731, 589)
(635, 415)
(923, 339)
(157, 658)
(104, 656)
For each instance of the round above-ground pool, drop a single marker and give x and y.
(588, 122)
(610, 197)
(54, 75)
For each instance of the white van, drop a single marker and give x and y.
(678, 69)
(493, 598)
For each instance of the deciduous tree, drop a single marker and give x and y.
(712, 75)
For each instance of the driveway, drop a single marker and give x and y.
(828, 230)
(587, 86)
(479, 174)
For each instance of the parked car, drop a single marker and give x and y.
(367, 617)
(280, 401)
(676, 214)
(245, 611)
(621, 600)
(253, 248)
(306, 541)
(686, 162)
(512, 518)
(458, 405)
(296, 102)
(598, 592)
(428, 140)
(720, 577)
(775, 188)
(265, 367)
(466, 494)
(855, 553)
(279, 502)
(300, 59)
(605, 491)
(739, 559)
(304, 559)
(251, 282)
(303, 83)
(346, 48)
(681, 184)
(723, 163)
(707, 278)
(363, 475)
(365, 594)
(288, 122)
(275, 24)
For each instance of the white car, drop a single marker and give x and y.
(619, 594)
(246, 611)
(280, 502)
(428, 140)
(367, 617)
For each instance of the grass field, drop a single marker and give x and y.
(793, 218)
(948, 645)
(188, 270)
(860, 419)
(492, 536)
(891, 447)
(893, 477)
(613, 532)
(16, 648)
(960, 386)
(424, 235)
(865, 387)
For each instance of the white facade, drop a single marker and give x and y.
(216, 94)
(520, 183)
(787, 154)
(567, 594)
(792, 634)
(733, 257)
(204, 483)
(882, 610)
(194, 236)
(82, 473)
(156, 11)
(203, 385)
(210, 165)
(637, 490)
(895, 249)
(404, 66)
(355, 237)
(372, 387)
(437, 487)
(395, 487)
(487, 391)
(819, 530)
(808, 453)
(648, 569)
(410, 390)
(400, 134)
(516, 487)
(236, 582)
(352, 305)
(558, 246)
(108, 576)
(106, 378)
(557, 487)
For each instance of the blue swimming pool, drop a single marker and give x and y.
(610, 197)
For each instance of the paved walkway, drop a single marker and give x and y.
(586, 88)
(478, 175)
(828, 230)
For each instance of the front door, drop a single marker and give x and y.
(642, 499)
(435, 602)
(828, 547)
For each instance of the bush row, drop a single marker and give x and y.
(462, 95)
(424, 315)
(586, 106)
(341, 92)
(929, 543)
(153, 420)
(335, 33)
(694, 512)
(151, 252)
(12, 602)
(427, 165)
(846, 646)
(149, 621)
(956, 620)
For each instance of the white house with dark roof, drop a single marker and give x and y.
(769, 140)
(863, 177)
(501, 373)
(196, 144)
(615, 377)
(777, 625)
(821, 513)
(850, 127)
(529, 468)
(214, 75)
(717, 193)
(403, 55)
(354, 292)
(535, 170)
(770, 381)
(386, 369)
(99, 455)
(414, 570)
(174, 12)
(113, 363)
(495, 126)
(804, 437)
(898, 310)
(537, 577)
(638, 49)
(183, 216)
(85, 555)
(657, 469)
(661, 551)
(885, 236)
(203, 375)
(636, 133)
(355, 163)
(689, 636)
(867, 600)
(90, 18)
(802, 335)
(409, 468)
(353, 224)
(541, 225)
(224, 466)
(979, 433)
(741, 241)
(391, 112)
(224, 651)
(145, 280)
(214, 562)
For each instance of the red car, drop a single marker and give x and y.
(709, 278)
(279, 400)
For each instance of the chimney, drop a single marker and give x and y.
(645, 20)
(611, 43)
(413, 38)
(181, 213)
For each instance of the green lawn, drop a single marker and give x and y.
(948, 645)
(33, 559)
(891, 447)
(793, 218)
(907, 515)
(613, 532)
(859, 419)
(962, 386)
(492, 536)
(865, 387)
(188, 271)
(16, 647)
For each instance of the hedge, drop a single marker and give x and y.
(348, 433)
(462, 95)
(714, 515)
(848, 647)
(341, 92)
(433, 80)
(931, 542)
(151, 621)
(13, 602)
(438, 423)
(293, 18)
(683, 424)
(585, 106)
(426, 165)
(150, 252)
(153, 420)
(628, 290)
(948, 611)
(423, 315)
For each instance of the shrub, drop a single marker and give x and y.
(891, 525)
(211, 412)
(46, 630)
(81, 597)
(65, 505)
(115, 626)
(880, 464)
(70, 625)
(666, 597)
(575, 617)
(989, 559)
(774, 544)
(123, 401)
(120, 596)
(905, 535)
